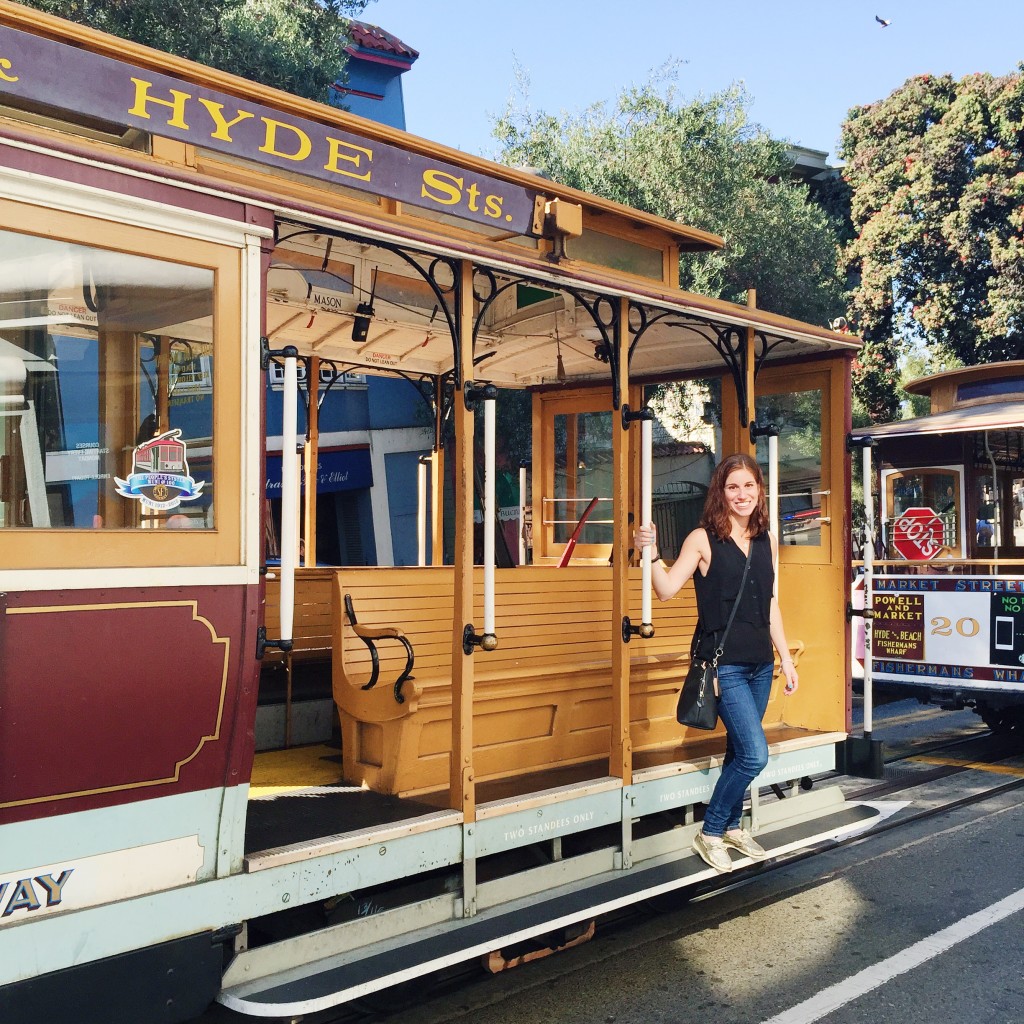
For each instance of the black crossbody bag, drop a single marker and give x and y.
(698, 701)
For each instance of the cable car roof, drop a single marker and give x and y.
(990, 416)
(319, 279)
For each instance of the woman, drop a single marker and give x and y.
(735, 521)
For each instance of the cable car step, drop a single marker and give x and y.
(340, 978)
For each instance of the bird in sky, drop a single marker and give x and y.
(884, 22)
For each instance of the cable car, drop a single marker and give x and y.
(946, 571)
(501, 759)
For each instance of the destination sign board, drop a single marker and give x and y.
(70, 79)
(942, 629)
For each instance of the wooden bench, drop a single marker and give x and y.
(542, 699)
(312, 629)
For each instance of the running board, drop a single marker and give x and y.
(337, 979)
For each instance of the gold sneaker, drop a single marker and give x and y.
(711, 850)
(743, 841)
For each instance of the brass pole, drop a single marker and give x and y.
(462, 793)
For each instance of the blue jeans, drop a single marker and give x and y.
(742, 701)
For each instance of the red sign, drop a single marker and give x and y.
(917, 533)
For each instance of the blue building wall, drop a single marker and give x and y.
(402, 469)
(373, 83)
(382, 403)
(394, 402)
(374, 91)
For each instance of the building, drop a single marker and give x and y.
(373, 430)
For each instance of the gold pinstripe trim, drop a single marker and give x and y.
(225, 642)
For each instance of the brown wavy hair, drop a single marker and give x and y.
(715, 518)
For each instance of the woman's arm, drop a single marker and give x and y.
(778, 632)
(695, 553)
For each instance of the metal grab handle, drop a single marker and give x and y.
(368, 636)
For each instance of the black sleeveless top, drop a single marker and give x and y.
(749, 639)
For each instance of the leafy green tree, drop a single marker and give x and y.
(937, 177)
(702, 163)
(294, 45)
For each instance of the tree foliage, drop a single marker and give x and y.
(294, 45)
(937, 177)
(700, 163)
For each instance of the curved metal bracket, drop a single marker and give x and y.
(731, 344)
(646, 321)
(605, 314)
(371, 646)
(764, 347)
(728, 341)
(451, 310)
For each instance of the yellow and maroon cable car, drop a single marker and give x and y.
(509, 765)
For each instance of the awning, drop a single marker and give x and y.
(338, 469)
(991, 416)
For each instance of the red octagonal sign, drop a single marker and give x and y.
(917, 533)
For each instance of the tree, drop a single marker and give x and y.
(700, 163)
(294, 45)
(937, 177)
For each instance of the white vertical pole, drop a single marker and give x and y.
(289, 494)
(773, 485)
(646, 513)
(421, 512)
(869, 554)
(522, 515)
(489, 516)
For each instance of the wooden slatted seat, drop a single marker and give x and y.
(542, 699)
(312, 630)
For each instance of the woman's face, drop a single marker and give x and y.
(741, 492)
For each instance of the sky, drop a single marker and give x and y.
(803, 64)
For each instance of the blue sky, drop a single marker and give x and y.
(803, 64)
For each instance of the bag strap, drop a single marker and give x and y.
(720, 648)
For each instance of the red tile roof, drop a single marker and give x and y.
(373, 38)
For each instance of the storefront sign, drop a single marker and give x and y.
(48, 72)
(341, 469)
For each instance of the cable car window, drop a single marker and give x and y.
(687, 446)
(106, 388)
(935, 490)
(988, 520)
(1018, 511)
(583, 471)
(798, 417)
